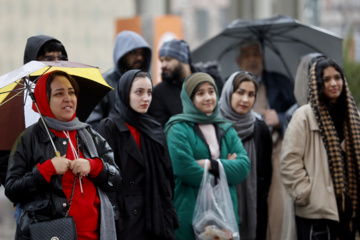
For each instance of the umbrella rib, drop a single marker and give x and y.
(20, 91)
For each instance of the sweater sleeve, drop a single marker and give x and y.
(96, 166)
(47, 169)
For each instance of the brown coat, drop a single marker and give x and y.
(305, 170)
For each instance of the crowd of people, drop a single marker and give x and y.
(134, 169)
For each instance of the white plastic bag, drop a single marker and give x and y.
(214, 216)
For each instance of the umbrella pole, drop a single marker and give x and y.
(57, 153)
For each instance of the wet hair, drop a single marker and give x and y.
(51, 46)
(64, 74)
(244, 77)
(321, 65)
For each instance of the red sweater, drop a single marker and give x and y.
(85, 210)
(135, 133)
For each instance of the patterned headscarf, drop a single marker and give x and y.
(344, 166)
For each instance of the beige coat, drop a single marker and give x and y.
(305, 170)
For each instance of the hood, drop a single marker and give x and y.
(33, 46)
(302, 76)
(127, 41)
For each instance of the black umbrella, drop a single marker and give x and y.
(284, 41)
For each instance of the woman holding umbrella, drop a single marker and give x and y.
(196, 136)
(144, 199)
(236, 102)
(43, 183)
(320, 159)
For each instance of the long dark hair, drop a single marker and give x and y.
(321, 65)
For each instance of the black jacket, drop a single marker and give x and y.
(263, 146)
(25, 184)
(130, 198)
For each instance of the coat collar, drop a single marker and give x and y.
(130, 145)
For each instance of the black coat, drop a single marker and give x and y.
(263, 146)
(130, 198)
(26, 185)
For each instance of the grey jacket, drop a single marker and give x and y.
(125, 42)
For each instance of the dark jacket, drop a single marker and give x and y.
(166, 100)
(130, 198)
(26, 185)
(263, 146)
(125, 42)
(279, 91)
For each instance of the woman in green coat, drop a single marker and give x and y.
(196, 136)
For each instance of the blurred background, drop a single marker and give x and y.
(87, 28)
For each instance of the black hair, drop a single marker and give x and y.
(51, 46)
(321, 65)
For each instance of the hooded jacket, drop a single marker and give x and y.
(33, 46)
(125, 42)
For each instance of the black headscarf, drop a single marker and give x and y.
(159, 178)
(143, 122)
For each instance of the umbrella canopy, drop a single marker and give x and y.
(284, 41)
(15, 103)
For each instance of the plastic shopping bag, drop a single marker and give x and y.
(214, 216)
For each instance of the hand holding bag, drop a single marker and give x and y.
(57, 229)
(214, 216)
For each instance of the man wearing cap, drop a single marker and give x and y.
(176, 66)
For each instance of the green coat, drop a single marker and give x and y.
(185, 147)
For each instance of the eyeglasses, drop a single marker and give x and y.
(55, 58)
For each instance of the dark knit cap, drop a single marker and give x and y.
(178, 49)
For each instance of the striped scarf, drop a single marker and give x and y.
(344, 168)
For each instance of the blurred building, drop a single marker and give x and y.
(87, 28)
(342, 17)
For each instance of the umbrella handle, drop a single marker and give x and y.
(57, 153)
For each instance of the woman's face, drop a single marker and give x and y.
(140, 94)
(63, 101)
(243, 98)
(205, 98)
(333, 84)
